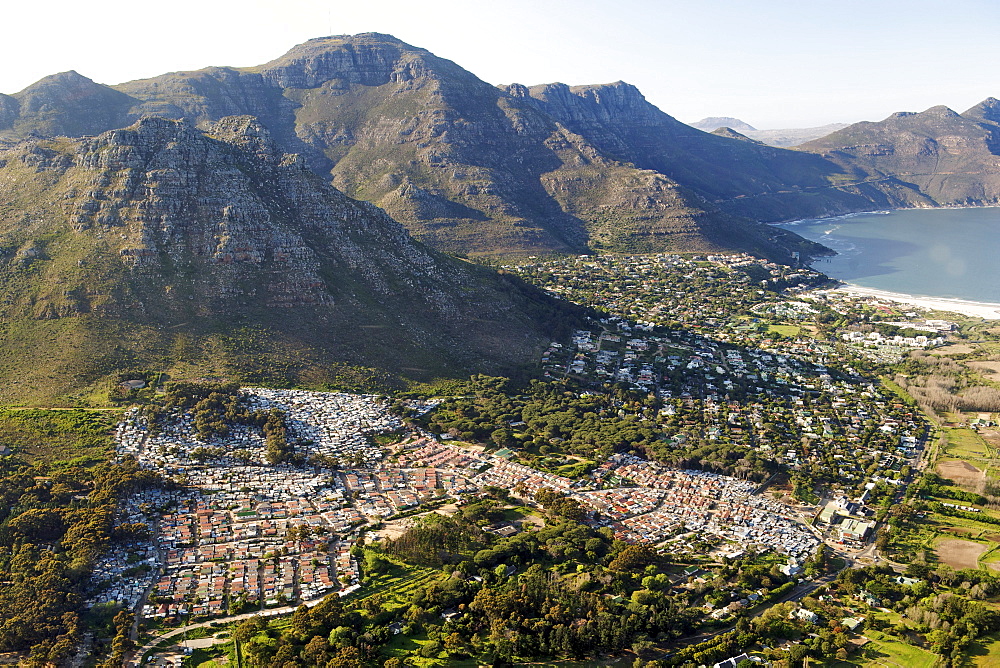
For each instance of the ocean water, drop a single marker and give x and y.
(951, 253)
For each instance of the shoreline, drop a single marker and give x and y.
(874, 212)
(985, 310)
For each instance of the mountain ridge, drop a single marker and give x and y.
(950, 158)
(477, 169)
(463, 165)
(162, 246)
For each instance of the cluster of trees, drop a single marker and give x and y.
(548, 418)
(279, 450)
(945, 385)
(325, 635)
(558, 504)
(55, 523)
(437, 540)
(932, 485)
(947, 607)
(216, 408)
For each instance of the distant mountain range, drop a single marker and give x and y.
(472, 168)
(781, 138)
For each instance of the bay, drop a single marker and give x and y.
(950, 253)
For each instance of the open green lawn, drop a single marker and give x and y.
(58, 434)
(518, 513)
(785, 330)
(967, 444)
(886, 650)
(984, 653)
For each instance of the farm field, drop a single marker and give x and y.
(966, 444)
(961, 472)
(959, 553)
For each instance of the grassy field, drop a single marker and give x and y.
(784, 330)
(518, 513)
(966, 444)
(983, 653)
(884, 650)
(49, 435)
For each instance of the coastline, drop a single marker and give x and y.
(875, 212)
(985, 310)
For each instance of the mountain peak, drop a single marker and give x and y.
(370, 59)
(941, 111)
(730, 133)
(71, 104)
(713, 123)
(70, 81)
(593, 102)
(988, 110)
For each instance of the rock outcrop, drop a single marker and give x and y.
(159, 245)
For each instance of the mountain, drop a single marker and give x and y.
(465, 166)
(67, 104)
(781, 138)
(713, 123)
(477, 169)
(159, 246)
(950, 158)
(736, 176)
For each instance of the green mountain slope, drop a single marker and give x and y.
(949, 158)
(158, 246)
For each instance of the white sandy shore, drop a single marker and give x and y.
(985, 310)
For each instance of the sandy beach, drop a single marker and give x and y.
(985, 310)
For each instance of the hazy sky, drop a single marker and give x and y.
(771, 63)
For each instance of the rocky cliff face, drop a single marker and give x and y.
(170, 246)
(463, 165)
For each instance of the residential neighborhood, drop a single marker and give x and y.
(237, 534)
